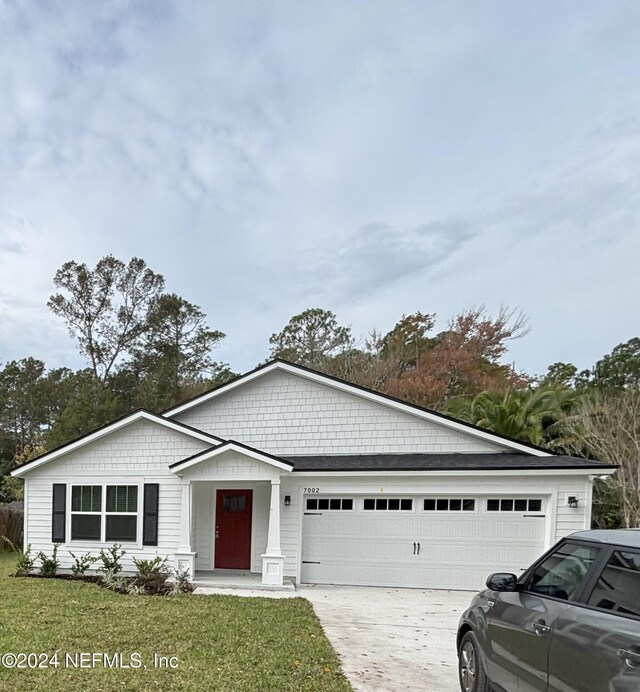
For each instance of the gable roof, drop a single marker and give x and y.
(443, 462)
(118, 424)
(231, 446)
(365, 393)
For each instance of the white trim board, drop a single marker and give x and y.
(464, 473)
(362, 393)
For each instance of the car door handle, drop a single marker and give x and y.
(631, 658)
(540, 627)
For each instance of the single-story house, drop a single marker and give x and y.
(297, 475)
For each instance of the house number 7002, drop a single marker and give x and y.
(312, 490)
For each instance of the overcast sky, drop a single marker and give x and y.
(372, 158)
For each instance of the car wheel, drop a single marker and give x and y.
(470, 670)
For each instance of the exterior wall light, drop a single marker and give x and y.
(287, 500)
(572, 501)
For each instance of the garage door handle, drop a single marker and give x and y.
(631, 658)
(418, 548)
(414, 548)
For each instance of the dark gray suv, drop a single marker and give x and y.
(570, 623)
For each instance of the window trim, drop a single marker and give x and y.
(82, 513)
(92, 542)
(386, 509)
(317, 498)
(513, 498)
(462, 511)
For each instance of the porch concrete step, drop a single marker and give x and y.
(231, 580)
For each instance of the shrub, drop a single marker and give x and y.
(134, 589)
(110, 580)
(25, 562)
(152, 574)
(180, 583)
(111, 559)
(81, 564)
(49, 565)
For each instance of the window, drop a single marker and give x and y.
(562, 573)
(333, 503)
(86, 512)
(511, 505)
(449, 505)
(388, 504)
(113, 521)
(618, 588)
(122, 513)
(234, 503)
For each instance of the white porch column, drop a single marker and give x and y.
(185, 556)
(273, 559)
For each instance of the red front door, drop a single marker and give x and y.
(233, 529)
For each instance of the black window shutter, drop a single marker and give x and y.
(150, 519)
(59, 513)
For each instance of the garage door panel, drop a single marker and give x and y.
(457, 549)
(338, 547)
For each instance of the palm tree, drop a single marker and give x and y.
(531, 415)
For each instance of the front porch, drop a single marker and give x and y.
(230, 518)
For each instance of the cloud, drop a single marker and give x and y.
(379, 255)
(270, 157)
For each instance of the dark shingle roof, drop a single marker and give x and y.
(439, 462)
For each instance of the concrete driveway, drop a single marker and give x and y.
(392, 639)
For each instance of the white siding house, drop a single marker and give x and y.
(295, 475)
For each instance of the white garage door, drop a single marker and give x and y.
(425, 542)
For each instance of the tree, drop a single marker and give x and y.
(530, 415)
(408, 340)
(620, 368)
(174, 354)
(607, 428)
(560, 375)
(23, 407)
(106, 308)
(463, 360)
(89, 406)
(311, 338)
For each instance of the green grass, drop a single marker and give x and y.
(222, 642)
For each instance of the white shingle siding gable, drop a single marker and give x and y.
(283, 413)
(141, 447)
(230, 465)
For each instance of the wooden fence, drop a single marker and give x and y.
(11, 522)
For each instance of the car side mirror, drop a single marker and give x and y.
(502, 581)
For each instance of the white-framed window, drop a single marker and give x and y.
(388, 504)
(105, 513)
(86, 512)
(513, 504)
(449, 504)
(343, 504)
(121, 513)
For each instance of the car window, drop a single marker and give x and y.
(618, 587)
(562, 573)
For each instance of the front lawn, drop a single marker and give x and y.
(221, 642)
